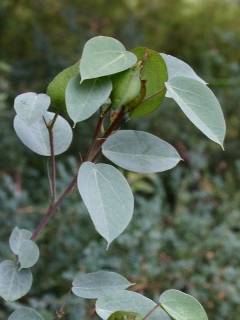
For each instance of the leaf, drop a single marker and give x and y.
(31, 106)
(103, 56)
(126, 87)
(28, 254)
(154, 73)
(83, 100)
(108, 198)
(17, 237)
(123, 315)
(181, 306)
(93, 285)
(14, 284)
(200, 105)
(130, 301)
(36, 136)
(24, 313)
(140, 151)
(56, 88)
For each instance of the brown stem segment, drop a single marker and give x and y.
(151, 312)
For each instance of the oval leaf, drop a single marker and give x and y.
(14, 284)
(83, 100)
(31, 106)
(93, 285)
(130, 301)
(140, 151)
(28, 254)
(123, 315)
(200, 105)
(17, 237)
(36, 136)
(108, 198)
(182, 306)
(25, 314)
(103, 56)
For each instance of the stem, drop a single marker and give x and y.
(151, 311)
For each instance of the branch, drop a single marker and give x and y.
(151, 311)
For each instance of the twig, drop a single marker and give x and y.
(151, 311)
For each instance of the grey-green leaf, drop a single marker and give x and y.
(83, 100)
(25, 313)
(123, 315)
(108, 198)
(17, 237)
(103, 56)
(28, 254)
(36, 136)
(93, 285)
(182, 306)
(140, 151)
(200, 105)
(130, 301)
(31, 106)
(14, 283)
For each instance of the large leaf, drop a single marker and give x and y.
(154, 74)
(130, 301)
(24, 313)
(14, 284)
(93, 285)
(103, 56)
(36, 136)
(28, 254)
(123, 315)
(181, 306)
(140, 151)
(200, 105)
(31, 106)
(17, 237)
(108, 198)
(83, 100)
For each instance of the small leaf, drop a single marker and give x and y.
(28, 254)
(93, 285)
(36, 136)
(103, 56)
(14, 284)
(24, 313)
(108, 198)
(182, 306)
(31, 106)
(200, 105)
(123, 315)
(140, 151)
(17, 237)
(130, 301)
(83, 100)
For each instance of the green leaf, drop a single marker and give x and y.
(154, 74)
(130, 301)
(181, 306)
(56, 88)
(24, 313)
(36, 136)
(93, 285)
(108, 198)
(17, 237)
(31, 106)
(200, 105)
(103, 56)
(83, 100)
(126, 87)
(123, 315)
(14, 283)
(140, 151)
(28, 254)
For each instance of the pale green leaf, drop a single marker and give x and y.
(25, 313)
(28, 254)
(17, 237)
(123, 315)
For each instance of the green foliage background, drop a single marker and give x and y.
(186, 231)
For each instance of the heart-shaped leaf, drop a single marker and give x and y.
(103, 56)
(24, 313)
(123, 315)
(17, 237)
(28, 254)
(108, 198)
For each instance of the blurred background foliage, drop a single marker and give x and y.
(186, 230)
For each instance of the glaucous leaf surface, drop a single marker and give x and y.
(108, 198)
(200, 105)
(140, 151)
(17, 237)
(123, 315)
(154, 74)
(130, 301)
(14, 283)
(93, 285)
(103, 56)
(182, 306)
(36, 136)
(28, 254)
(25, 314)
(30, 106)
(83, 100)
